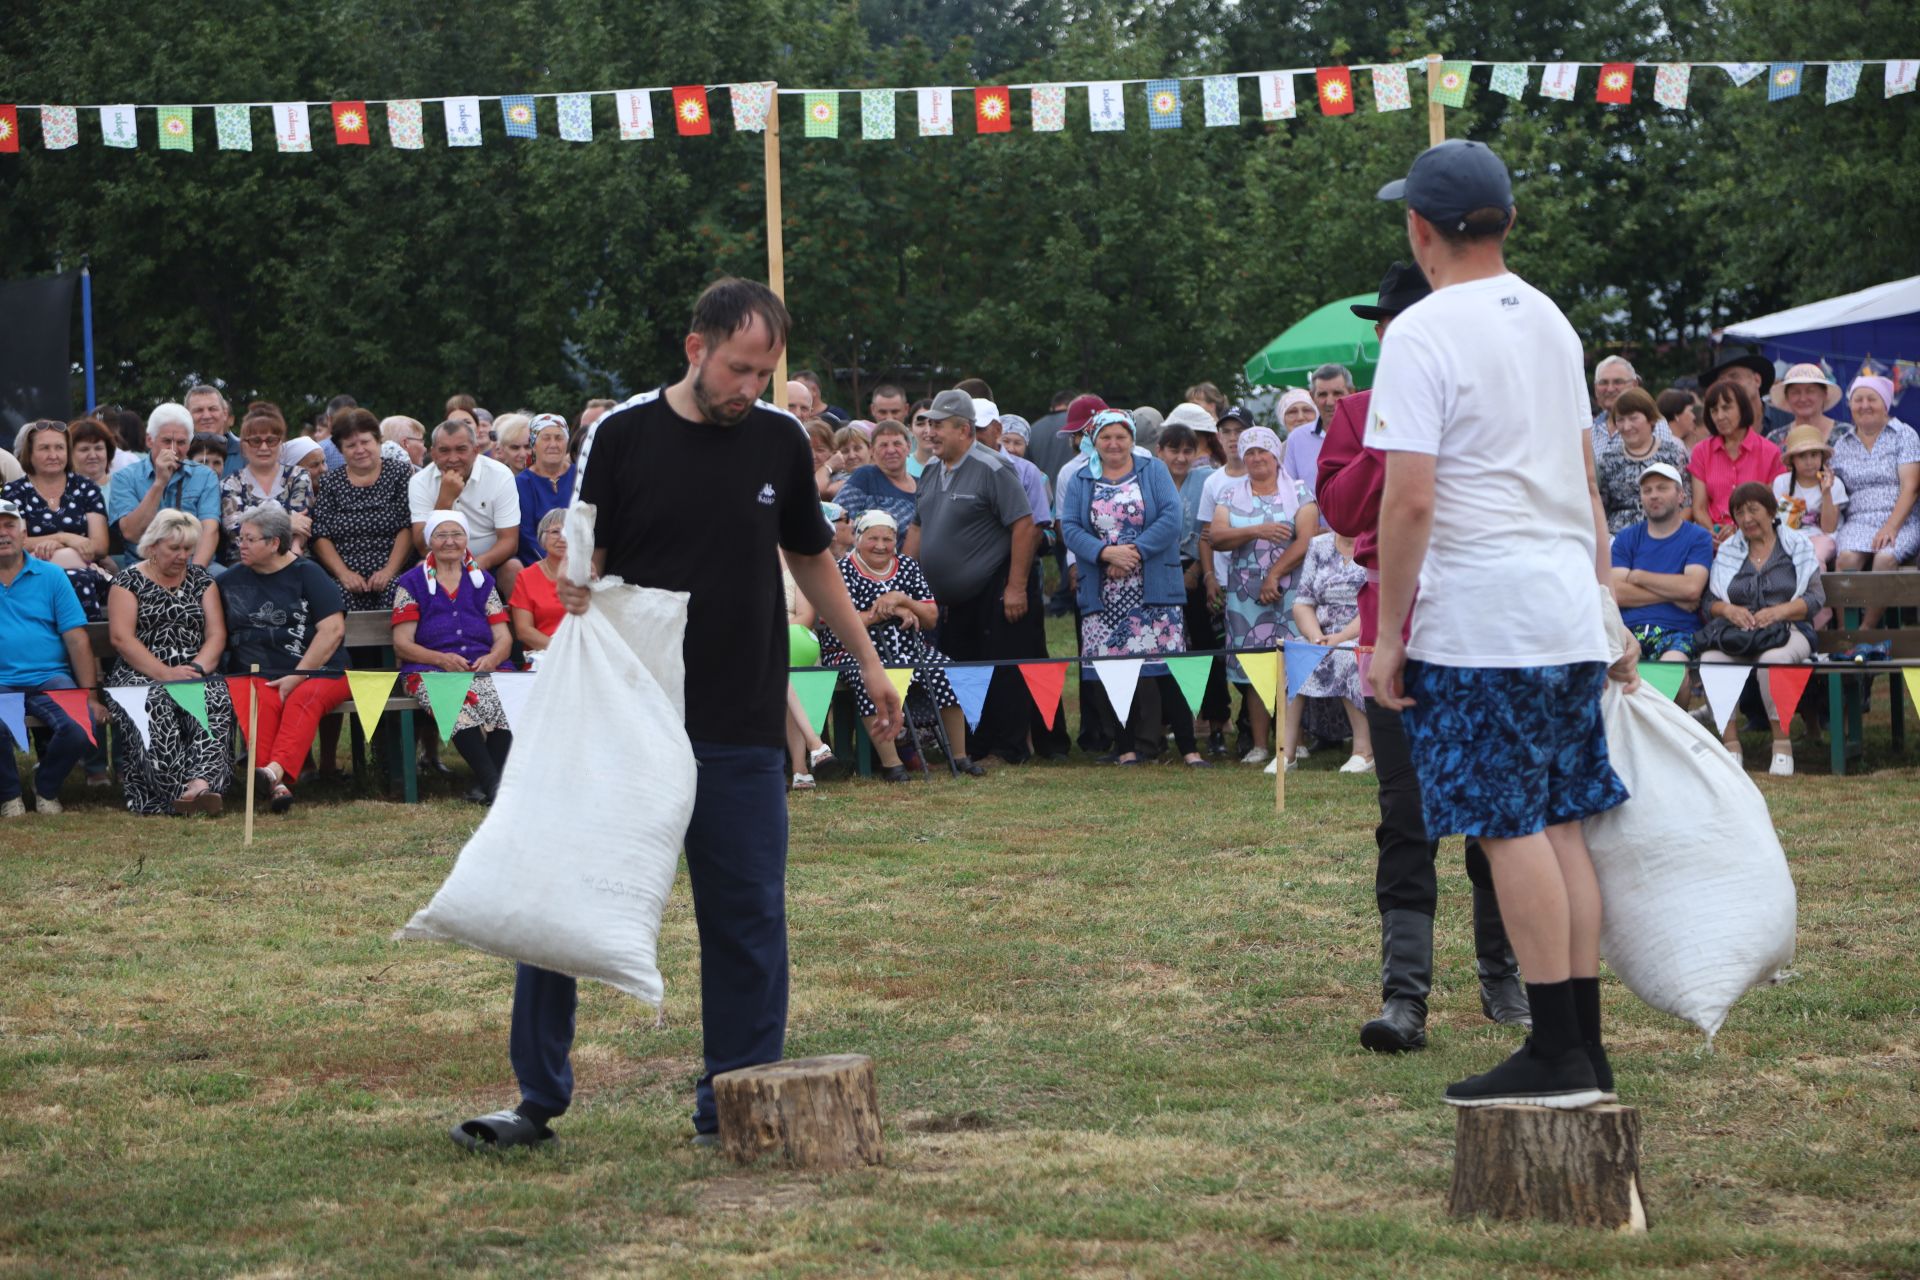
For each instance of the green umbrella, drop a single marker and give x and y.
(1331, 335)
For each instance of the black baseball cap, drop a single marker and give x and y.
(1400, 288)
(1452, 180)
(1242, 416)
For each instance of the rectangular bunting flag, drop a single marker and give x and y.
(1390, 91)
(1783, 81)
(751, 102)
(1449, 87)
(405, 127)
(936, 112)
(576, 117)
(1741, 72)
(1106, 106)
(1616, 84)
(1670, 81)
(690, 111)
(877, 123)
(1276, 95)
(1901, 75)
(1511, 79)
(233, 127)
(350, 127)
(1843, 81)
(117, 126)
(291, 130)
(823, 115)
(1558, 80)
(59, 127)
(636, 114)
(9, 132)
(518, 113)
(1221, 95)
(1335, 86)
(992, 110)
(176, 128)
(463, 122)
(1163, 104)
(1049, 108)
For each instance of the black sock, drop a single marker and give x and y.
(1586, 1008)
(1556, 1028)
(535, 1112)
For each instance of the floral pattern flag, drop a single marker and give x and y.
(1843, 81)
(176, 128)
(1276, 95)
(823, 115)
(1670, 81)
(233, 127)
(404, 124)
(751, 103)
(1558, 80)
(1783, 81)
(59, 127)
(576, 117)
(1511, 79)
(1049, 108)
(1901, 75)
(877, 123)
(1449, 84)
(1390, 91)
(520, 116)
(1741, 72)
(1221, 95)
(1163, 104)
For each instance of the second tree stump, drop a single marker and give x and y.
(1577, 1167)
(817, 1113)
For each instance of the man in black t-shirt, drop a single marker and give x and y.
(741, 487)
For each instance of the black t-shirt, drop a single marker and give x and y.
(271, 617)
(695, 507)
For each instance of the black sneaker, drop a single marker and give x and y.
(1602, 1072)
(1564, 1082)
(1217, 743)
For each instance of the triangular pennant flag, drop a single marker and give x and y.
(446, 694)
(74, 703)
(1191, 674)
(1276, 95)
(1302, 661)
(1119, 677)
(1912, 678)
(176, 128)
(191, 697)
(1741, 72)
(1449, 84)
(1106, 106)
(1667, 677)
(1163, 107)
(240, 692)
(576, 116)
(291, 129)
(1670, 82)
(900, 678)
(1785, 685)
(513, 688)
(823, 115)
(876, 115)
(117, 126)
(636, 114)
(690, 111)
(1221, 96)
(233, 127)
(1045, 680)
(815, 689)
(520, 116)
(1616, 84)
(1335, 85)
(463, 121)
(936, 112)
(1843, 81)
(406, 127)
(133, 704)
(60, 127)
(1049, 108)
(1902, 75)
(370, 690)
(1363, 659)
(751, 103)
(1263, 670)
(1723, 682)
(1558, 80)
(9, 128)
(1390, 91)
(13, 714)
(992, 110)
(970, 685)
(350, 127)
(1783, 81)
(1511, 79)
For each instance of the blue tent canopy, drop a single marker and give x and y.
(1881, 323)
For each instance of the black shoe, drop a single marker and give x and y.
(1602, 1072)
(1564, 1082)
(895, 773)
(1199, 764)
(1217, 743)
(1112, 757)
(478, 795)
(965, 765)
(1503, 997)
(1400, 1028)
(1406, 978)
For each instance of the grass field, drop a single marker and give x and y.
(1113, 1013)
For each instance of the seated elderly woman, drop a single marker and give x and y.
(167, 626)
(447, 616)
(286, 618)
(536, 607)
(64, 512)
(1762, 591)
(896, 604)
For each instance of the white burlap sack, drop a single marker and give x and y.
(1698, 904)
(571, 868)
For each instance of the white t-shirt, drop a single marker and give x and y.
(1210, 499)
(1486, 377)
(1800, 504)
(490, 502)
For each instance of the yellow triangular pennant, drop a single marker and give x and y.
(901, 677)
(1912, 676)
(371, 690)
(1264, 670)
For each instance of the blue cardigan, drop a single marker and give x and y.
(1158, 543)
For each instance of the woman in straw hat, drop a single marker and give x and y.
(1807, 393)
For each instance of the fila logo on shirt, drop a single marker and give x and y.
(766, 495)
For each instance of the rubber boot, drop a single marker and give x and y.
(1406, 978)
(472, 746)
(1503, 997)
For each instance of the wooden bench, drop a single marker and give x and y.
(1850, 594)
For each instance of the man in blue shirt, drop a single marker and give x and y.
(162, 479)
(43, 645)
(1660, 569)
(213, 416)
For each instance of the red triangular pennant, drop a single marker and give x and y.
(992, 111)
(350, 125)
(240, 693)
(1616, 83)
(74, 703)
(1045, 680)
(1786, 684)
(690, 110)
(1336, 90)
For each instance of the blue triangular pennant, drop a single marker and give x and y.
(13, 714)
(1303, 660)
(970, 686)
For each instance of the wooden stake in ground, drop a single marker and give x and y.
(1534, 1163)
(776, 245)
(1279, 735)
(815, 1113)
(253, 727)
(1436, 110)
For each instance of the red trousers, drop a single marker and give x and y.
(287, 728)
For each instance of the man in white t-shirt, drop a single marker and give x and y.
(458, 477)
(1491, 512)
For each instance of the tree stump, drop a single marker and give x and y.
(818, 1113)
(1577, 1167)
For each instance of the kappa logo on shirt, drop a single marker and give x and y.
(766, 495)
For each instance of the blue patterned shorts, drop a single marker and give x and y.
(1509, 751)
(1655, 641)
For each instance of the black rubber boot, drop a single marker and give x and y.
(472, 746)
(1406, 978)
(1502, 996)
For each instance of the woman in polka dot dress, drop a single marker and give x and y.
(65, 514)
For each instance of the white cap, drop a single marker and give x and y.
(1661, 469)
(985, 413)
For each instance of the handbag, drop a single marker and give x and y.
(1721, 634)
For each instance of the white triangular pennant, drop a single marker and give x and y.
(1723, 682)
(134, 703)
(1119, 677)
(513, 688)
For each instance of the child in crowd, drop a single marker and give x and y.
(209, 451)
(1812, 498)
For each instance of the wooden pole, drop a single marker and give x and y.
(253, 731)
(1278, 732)
(1436, 111)
(776, 246)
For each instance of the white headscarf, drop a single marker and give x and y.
(434, 520)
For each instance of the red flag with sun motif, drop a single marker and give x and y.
(9, 127)
(690, 110)
(992, 110)
(1616, 83)
(350, 125)
(1336, 90)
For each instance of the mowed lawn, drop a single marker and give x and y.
(1113, 1013)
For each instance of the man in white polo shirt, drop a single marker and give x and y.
(1490, 510)
(460, 478)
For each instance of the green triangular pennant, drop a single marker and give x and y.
(1191, 674)
(1664, 676)
(192, 699)
(447, 693)
(816, 694)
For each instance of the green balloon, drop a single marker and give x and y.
(803, 647)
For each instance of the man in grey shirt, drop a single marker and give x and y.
(975, 539)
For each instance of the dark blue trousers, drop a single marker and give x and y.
(66, 743)
(737, 862)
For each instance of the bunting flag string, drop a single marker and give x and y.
(1045, 680)
(1723, 682)
(815, 691)
(1667, 677)
(13, 715)
(1785, 685)
(74, 703)
(192, 699)
(446, 694)
(240, 692)
(370, 691)
(901, 678)
(1263, 671)
(1119, 677)
(1911, 677)
(1302, 661)
(1191, 674)
(970, 685)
